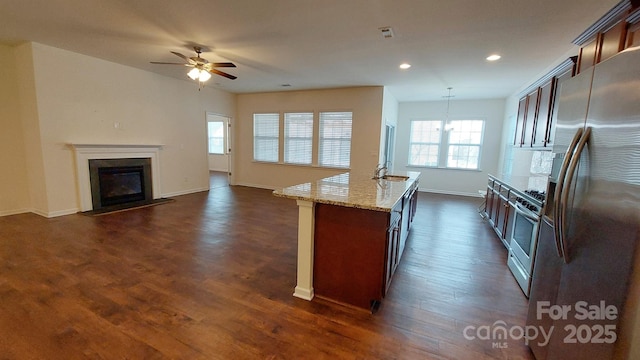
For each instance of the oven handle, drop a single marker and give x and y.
(526, 213)
(575, 160)
(559, 190)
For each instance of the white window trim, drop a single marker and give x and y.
(443, 151)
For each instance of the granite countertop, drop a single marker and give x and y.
(353, 190)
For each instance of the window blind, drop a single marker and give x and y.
(335, 139)
(298, 137)
(266, 132)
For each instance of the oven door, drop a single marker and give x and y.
(524, 236)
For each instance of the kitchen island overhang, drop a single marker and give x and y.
(360, 197)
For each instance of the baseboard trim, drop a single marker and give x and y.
(185, 192)
(14, 212)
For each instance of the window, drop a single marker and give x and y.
(298, 138)
(216, 131)
(335, 139)
(465, 138)
(457, 147)
(266, 135)
(424, 143)
(324, 140)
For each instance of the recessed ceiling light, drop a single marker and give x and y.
(405, 66)
(493, 57)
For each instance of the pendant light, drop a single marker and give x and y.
(447, 124)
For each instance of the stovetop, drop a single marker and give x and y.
(532, 200)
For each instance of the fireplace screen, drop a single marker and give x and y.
(121, 184)
(119, 181)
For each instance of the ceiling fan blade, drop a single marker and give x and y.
(223, 74)
(223, 64)
(181, 56)
(169, 63)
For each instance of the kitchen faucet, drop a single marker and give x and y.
(379, 171)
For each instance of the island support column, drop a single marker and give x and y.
(306, 219)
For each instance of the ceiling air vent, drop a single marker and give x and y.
(387, 32)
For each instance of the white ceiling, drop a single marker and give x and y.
(312, 44)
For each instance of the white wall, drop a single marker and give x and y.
(449, 181)
(364, 102)
(389, 117)
(80, 99)
(14, 190)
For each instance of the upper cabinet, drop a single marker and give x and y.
(612, 33)
(537, 110)
(617, 30)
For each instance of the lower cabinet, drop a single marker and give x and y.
(498, 210)
(356, 251)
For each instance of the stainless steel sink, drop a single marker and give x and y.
(391, 177)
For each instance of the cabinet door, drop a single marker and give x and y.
(612, 41)
(587, 57)
(551, 126)
(392, 253)
(522, 110)
(633, 36)
(500, 226)
(496, 208)
(544, 110)
(530, 117)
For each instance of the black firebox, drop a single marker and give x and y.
(115, 182)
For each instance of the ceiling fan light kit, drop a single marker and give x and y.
(201, 68)
(198, 74)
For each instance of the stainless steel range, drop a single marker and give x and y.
(524, 236)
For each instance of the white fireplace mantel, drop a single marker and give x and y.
(86, 152)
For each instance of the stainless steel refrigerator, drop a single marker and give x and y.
(586, 279)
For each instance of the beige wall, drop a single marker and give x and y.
(364, 102)
(449, 181)
(14, 191)
(72, 98)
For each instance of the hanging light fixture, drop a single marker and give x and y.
(199, 74)
(447, 124)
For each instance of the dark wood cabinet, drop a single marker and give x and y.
(633, 36)
(394, 251)
(543, 115)
(530, 117)
(518, 138)
(498, 210)
(356, 251)
(614, 32)
(587, 56)
(538, 109)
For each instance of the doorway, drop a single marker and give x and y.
(219, 149)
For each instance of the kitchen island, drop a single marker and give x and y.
(351, 235)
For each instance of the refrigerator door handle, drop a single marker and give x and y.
(575, 160)
(559, 190)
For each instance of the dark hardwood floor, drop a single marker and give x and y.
(211, 276)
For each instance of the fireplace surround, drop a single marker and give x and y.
(86, 152)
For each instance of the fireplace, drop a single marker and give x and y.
(117, 182)
(150, 180)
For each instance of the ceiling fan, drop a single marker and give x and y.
(201, 68)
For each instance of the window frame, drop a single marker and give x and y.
(317, 140)
(323, 140)
(257, 138)
(445, 145)
(288, 138)
(223, 137)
